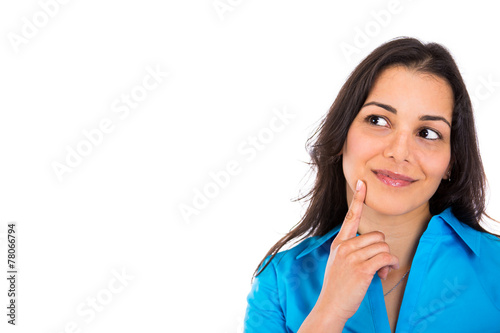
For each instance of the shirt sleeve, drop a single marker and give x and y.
(264, 313)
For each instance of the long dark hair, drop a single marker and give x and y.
(465, 193)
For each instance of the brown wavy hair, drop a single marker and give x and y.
(465, 193)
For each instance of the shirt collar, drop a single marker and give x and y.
(470, 236)
(317, 241)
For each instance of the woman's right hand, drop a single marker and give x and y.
(352, 263)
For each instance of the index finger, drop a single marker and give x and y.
(351, 222)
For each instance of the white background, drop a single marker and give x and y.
(119, 209)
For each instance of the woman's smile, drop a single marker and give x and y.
(393, 179)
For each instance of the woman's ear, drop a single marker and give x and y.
(447, 175)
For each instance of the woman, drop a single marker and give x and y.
(408, 254)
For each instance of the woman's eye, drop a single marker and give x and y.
(377, 120)
(429, 134)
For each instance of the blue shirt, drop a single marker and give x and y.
(453, 285)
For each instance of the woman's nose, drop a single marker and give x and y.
(398, 147)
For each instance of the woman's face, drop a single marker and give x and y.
(399, 143)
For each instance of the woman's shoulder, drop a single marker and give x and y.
(489, 250)
(486, 266)
(485, 259)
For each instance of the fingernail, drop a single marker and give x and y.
(358, 185)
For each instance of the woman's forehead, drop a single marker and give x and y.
(409, 90)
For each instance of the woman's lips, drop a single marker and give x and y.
(393, 179)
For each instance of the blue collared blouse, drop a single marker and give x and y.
(453, 285)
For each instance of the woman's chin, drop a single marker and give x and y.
(390, 207)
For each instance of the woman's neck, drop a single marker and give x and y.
(402, 232)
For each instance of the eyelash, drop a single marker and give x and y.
(371, 117)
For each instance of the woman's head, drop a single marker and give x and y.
(457, 177)
(464, 190)
(399, 142)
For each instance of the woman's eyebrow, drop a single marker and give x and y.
(435, 118)
(383, 106)
(393, 110)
